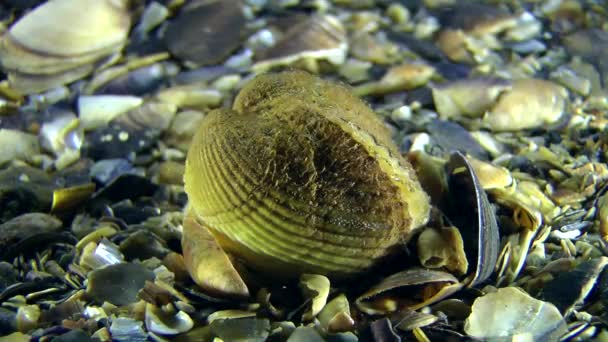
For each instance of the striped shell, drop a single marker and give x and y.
(301, 176)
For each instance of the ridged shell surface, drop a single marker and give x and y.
(301, 176)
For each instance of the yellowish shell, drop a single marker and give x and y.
(301, 176)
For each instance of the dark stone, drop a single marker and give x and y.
(8, 321)
(8, 275)
(25, 226)
(127, 186)
(24, 189)
(134, 213)
(569, 289)
(118, 142)
(426, 49)
(73, 336)
(143, 245)
(206, 33)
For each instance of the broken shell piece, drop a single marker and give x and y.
(98, 110)
(316, 287)
(491, 176)
(28, 317)
(17, 145)
(167, 323)
(373, 48)
(318, 37)
(531, 103)
(105, 253)
(335, 316)
(61, 133)
(150, 115)
(412, 289)
(442, 248)
(469, 97)
(398, 78)
(511, 314)
(190, 96)
(135, 76)
(128, 329)
(207, 263)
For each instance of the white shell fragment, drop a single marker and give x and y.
(97, 110)
(17, 145)
(165, 323)
(398, 78)
(470, 97)
(316, 287)
(64, 137)
(442, 248)
(510, 314)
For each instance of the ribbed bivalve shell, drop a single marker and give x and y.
(301, 176)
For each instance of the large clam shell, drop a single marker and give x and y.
(72, 27)
(301, 176)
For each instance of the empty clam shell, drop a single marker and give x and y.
(479, 231)
(61, 41)
(412, 289)
(73, 27)
(318, 37)
(17, 58)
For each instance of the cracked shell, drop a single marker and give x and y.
(301, 176)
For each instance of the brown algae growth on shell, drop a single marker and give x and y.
(301, 176)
